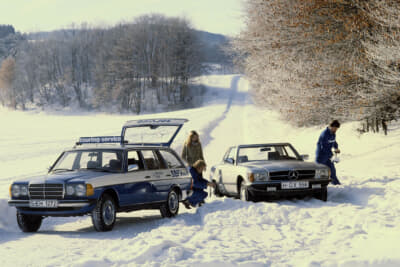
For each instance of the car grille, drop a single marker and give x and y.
(46, 191)
(284, 175)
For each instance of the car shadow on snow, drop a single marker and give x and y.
(350, 195)
(12, 235)
(196, 215)
(125, 227)
(359, 196)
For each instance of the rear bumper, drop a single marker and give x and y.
(65, 208)
(264, 190)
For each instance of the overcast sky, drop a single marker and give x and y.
(218, 16)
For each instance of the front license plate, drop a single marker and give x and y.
(294, 185)
(43, 203)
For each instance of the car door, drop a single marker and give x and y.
(227, 170)
(172, 171)
(155, 174)
(136, 188)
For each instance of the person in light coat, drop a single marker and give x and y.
(192, 150)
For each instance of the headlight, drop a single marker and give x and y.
(70, 190)
(259, 176)
(76, 189)
(321, 173)
(80, 190)
(15, 190)
(23, 190)
(18, 190)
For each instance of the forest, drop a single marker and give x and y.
(318, 60)
(120, 68)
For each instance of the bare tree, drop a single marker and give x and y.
(318, 60)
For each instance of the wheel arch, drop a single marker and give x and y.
(177, 189)
(239, 180)
(113, 193)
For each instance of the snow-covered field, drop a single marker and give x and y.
(358, 226)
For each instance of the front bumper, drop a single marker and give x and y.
(65, 208)
(261, 189)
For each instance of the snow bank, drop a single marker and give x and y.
(8, 221)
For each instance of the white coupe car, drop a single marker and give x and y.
(265, 171)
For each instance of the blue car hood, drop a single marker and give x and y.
(66, 177)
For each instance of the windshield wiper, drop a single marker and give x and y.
(96, 169)
(63, 169)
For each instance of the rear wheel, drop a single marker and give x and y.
(104, 214)
(171, 207)
(322, 195)
(29, 223)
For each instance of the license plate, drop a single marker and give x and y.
(294, 185)
(43, 203)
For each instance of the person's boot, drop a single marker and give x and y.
(186, 204)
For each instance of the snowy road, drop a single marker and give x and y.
(358, 226)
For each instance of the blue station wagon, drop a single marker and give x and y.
(103, 175)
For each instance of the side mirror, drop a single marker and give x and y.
(230, 160)
(133, 167)
(304, 157)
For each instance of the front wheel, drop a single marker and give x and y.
(29, 223)
(217, 191)
(322, 195)
(244, 192)
(171, 207)
(104, 214)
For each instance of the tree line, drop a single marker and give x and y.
(117, 68)
(316, 60)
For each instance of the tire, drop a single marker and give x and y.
(104, 214)
(29, 223)
(171, 207)
(244, 194)
(322, 195)
(217, 192)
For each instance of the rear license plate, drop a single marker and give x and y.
(294, 185)
(43, 203)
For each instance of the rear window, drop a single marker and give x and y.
(170, 159)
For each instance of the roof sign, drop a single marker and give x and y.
(99, 140)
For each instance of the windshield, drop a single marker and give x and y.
(100, 160)
(150, 134)
(269, 152)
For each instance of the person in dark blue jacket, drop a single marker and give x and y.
(198, 185)
(326, 142)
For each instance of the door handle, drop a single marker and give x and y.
(147, 177)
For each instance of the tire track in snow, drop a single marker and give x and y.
(206, 132)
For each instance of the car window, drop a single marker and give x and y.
(106, 160)
(227, 153)
(232, 153)
(267, 152)
(89, 159)
(67, 161)
(151, 160)
(134, 158)
(171, 160)
(288, 153)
